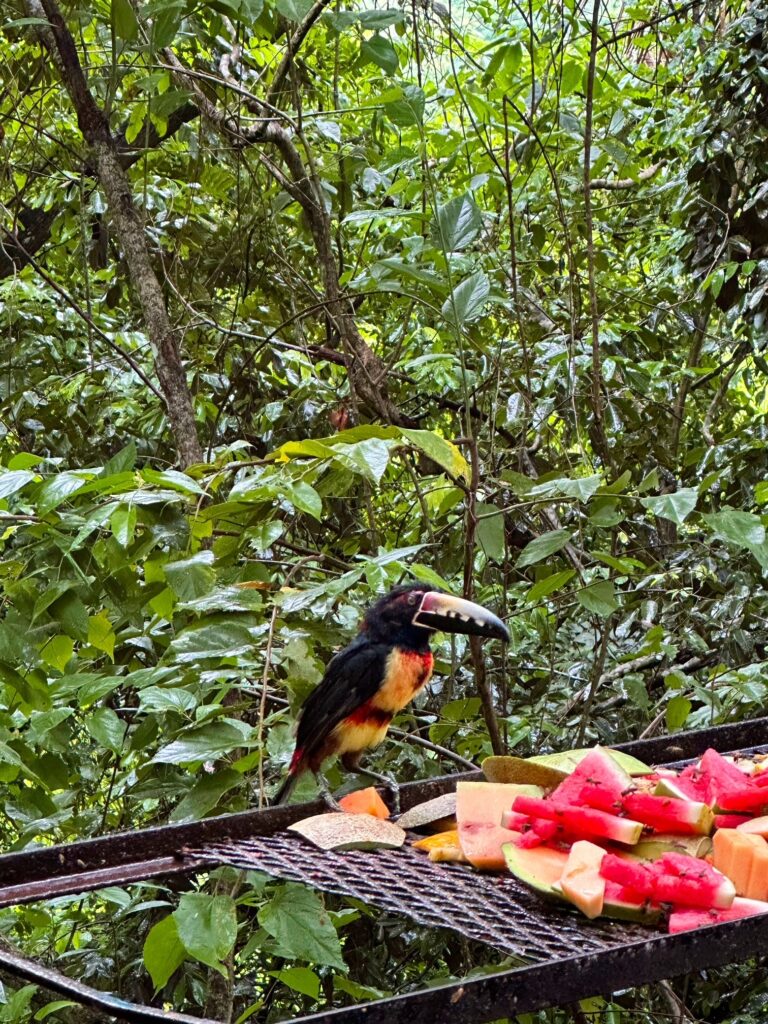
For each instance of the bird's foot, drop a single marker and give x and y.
(326, 795)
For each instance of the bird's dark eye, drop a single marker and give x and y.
(412, 598)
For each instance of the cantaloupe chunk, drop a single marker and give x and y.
(757, 884)
(581, 880)
(479, 806)
(364, 801)
(755, 826)
(734, 854)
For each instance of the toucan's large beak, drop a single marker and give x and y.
(452, 614)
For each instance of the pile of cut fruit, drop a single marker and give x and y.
(616, 839)
(594, 828)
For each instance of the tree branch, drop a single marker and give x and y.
(94, 127)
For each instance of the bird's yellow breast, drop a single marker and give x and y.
(405, 674)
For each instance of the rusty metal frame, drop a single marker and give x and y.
(175, 849)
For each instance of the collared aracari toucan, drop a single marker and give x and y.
(374, 677)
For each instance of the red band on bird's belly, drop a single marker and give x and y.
(368, 713)
(298, 757)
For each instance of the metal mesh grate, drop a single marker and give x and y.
(496, 910)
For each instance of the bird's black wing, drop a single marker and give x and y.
(352, 677)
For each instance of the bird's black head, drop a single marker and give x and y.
(411, 613)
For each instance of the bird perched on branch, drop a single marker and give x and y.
(374, 677)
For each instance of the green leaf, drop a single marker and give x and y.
(467, 300)
(207, 927)
(457, 224)
(490, 530)
(543, 588)
(296, 918)
(122, 522)
(193, 577)
(579, 487)
(52, 492)
(305, 498)
(409, 109)
(384, 18)
(58, 652)
(740, 528)
(124, 21)
(15, 481)
(677, 712)
(101, 635)
(205, 744)
(72, 615)
(541, 547)
(294, 10)
(31, 688)
(164, 952)
(443, 452)
(53, 1007)
(300, 979)
(221, 640)
(599, 597)
(205, 796)
(107, 729)
(167, 698)
(378, 50)
(676, 506)
(369, 458)
(166, 24)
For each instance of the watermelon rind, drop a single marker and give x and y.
(663, 842)
(540, 868)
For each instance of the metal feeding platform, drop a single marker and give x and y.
(564, 957)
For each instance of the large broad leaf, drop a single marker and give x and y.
(467, 300)
(206, 794)
(205, 744)
(304, 497)
(207, 927)
(107, 729)
(579, 487)
(192, 577)
(490, 530)
(296, 918)
(443, 452)
(542, 547)
(163, 951)
(300, 979)
(55, 490)
(457, 224)
(378, 50)
(124, 21)
(543, 588)
(369, 458)
(13, 482)
(219, 640)
(741, 529)
(676, 506)
(599, 597)
(407, 110)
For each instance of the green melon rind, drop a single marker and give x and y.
(521, 770)
(652, 849)
(614, 908)
(566, 760)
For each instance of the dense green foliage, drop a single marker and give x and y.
(420, 338)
